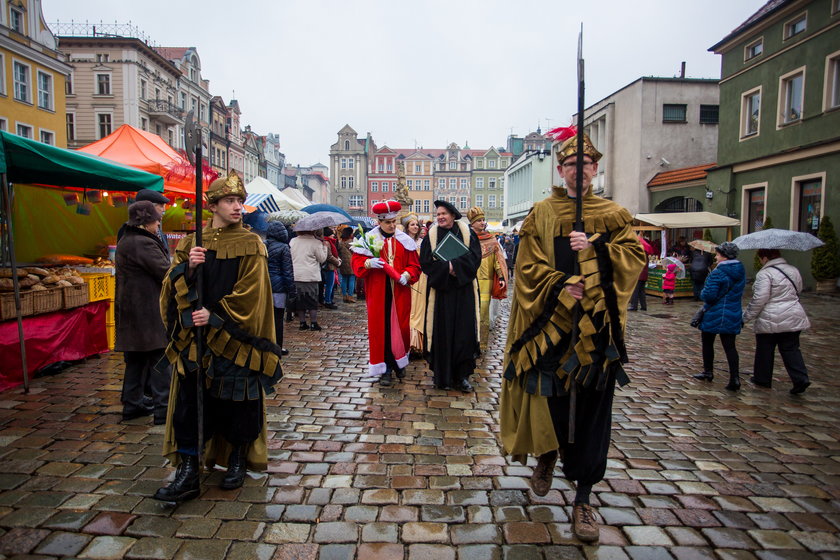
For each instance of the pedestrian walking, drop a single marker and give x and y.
(329, 267)
(308, 254)
(281, 273)
(388, 277)
(779, 320)
(723, 316)
(639, 298)
(141, 264)
(241, 359)
(348, 279)
(537, 396)
(492, 274)
(699, 266)
(451, 327)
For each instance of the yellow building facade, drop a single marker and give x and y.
(33, 75)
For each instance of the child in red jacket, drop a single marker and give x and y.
(669, 282)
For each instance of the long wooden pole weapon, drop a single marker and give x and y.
(578, 225)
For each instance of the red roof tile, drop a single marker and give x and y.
(680, 175)
(172, 53)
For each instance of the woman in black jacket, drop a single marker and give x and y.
(281, 273)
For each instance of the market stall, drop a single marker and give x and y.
(59, 312)
(668, 226)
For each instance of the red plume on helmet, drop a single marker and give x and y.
(562, 133)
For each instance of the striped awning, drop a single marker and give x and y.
(262, 201)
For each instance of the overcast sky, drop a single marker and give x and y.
(424, 72)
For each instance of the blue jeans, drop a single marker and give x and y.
(329, 284)
(348, 284)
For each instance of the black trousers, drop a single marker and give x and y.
(639, 297)
(728, 342)
(585, 460)
(141, 372)
(765, 350)
(278, 325)
(239, 422)
(698, 280)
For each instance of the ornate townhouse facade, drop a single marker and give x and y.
(349, 171)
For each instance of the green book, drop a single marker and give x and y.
(450, 248)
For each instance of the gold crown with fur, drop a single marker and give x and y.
(569, 148)
(226, 186)
(475, 213)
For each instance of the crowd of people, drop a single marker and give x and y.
(211, 352)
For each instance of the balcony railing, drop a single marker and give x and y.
(165, 111)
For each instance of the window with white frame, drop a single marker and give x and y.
(491, 201)
(351, 182)
(24, 130)
(453, 200)
(479, 200)
(453, 165)
(750, 112)
(4, 124)
(343, 181)
(479, 182)
(808, 203)
(20, 73)
(831, 95)
(492, 163)
(453, 183)
(351, 163)
(753, 207)
(464, 183)
(142, 89)
(418, 167)
(45, 91)
(479, 163)
(343, 163)
(104, 123)
(791, 92)
(409, 183)
(385, 186)
(16, 19)
(380, 168)
(2, 75)
(491, 183)
(463, 203)
(501, 201)
(47, 137)
(426, 206)
(390, 166)
(71, 126)
(417, 206)
(103, 84)
(796, 26)
(426, 184)
(374, 186)
(753, 49)
(356, 201)
(441, 183)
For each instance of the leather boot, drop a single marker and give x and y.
(237, 468)
(543, 474)
(704, 376)
(734, 383)
(186, 484)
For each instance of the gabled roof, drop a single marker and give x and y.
(347, 128)
(765, 11)
(683, 175)
(172, 53)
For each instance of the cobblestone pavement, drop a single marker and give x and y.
(412, 472)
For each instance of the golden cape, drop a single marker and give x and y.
(249, 305)
(541, 313)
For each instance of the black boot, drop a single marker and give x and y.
(186, 484)
(237, 468)
(385, 380)
(734, 382)
(704, 376)
(400, 373)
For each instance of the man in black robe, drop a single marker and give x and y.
(451, 341)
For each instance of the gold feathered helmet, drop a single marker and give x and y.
(475, 213)
(565, 138)
(226, 186)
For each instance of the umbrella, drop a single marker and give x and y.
(286, 217)
(778, 239)
(320, 220)
(703, 245)
(673, 260)
(312, 208)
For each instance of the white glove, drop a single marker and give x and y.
(375, 263)
(404, 280)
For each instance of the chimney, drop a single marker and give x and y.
(682, 69)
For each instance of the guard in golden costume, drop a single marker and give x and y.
(544, 375)
(492, 274)
(241, 360)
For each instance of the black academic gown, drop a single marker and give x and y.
(454, 341)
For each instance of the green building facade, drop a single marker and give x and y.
(779, 132)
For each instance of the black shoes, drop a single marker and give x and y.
(758, 383)
(704, 376)
(304, 326)
(464, 386)
(284, 352)
(400, 373)
(799, 388)
(315, 327)
(137, 413)
(385, 380)
(734, 384)
(186, 484)
(237, 468)
(330, 306)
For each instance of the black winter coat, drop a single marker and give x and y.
(142, 263)
(280, 269)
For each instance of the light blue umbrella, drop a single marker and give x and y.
(778, 239)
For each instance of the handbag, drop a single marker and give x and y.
(697, 318)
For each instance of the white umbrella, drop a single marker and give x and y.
(320, 220)
(778, 239)
(675, 261)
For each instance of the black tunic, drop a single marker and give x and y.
(454, 343)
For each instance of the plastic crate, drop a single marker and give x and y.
(100, 285)
(46, 301)
(109, 315)
(111, 331)
(7, 305)
(75, 296)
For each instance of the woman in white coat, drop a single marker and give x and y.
(779, 319)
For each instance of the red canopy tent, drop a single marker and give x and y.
(147, 151)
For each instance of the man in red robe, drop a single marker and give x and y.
(388, 276)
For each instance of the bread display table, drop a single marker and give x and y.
(70, 334)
